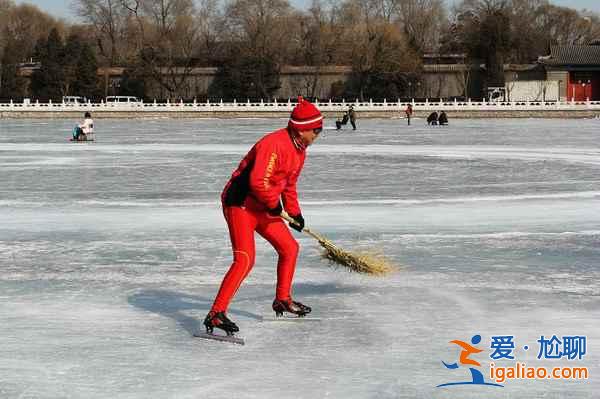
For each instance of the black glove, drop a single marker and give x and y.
(299, 225)
(276, 211)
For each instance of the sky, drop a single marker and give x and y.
(62, 8)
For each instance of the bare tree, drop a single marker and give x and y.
(5, 6)
(315, 38)
(528, 39)
(483, 31)
(107, 18)
(167, 33)
(382, 61)
(259, 25)
(209, 20)
(422, 22)
(386, 9)
(135, 21)
(325, 37)
(27, 24)
(165, 14)
(567, 26)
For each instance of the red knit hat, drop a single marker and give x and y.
(305, 116)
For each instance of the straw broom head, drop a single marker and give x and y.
(363, 262)
(359, 262)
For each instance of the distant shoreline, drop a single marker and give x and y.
(370, 114)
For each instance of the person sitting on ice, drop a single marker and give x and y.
(253, 199)
(341, 122)
(432, 119)
(443, 118)
(85, 130)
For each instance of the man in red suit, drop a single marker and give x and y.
(260, 188)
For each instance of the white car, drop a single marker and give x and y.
(73, 100)
(122, 100)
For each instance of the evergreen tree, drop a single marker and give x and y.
(86, 78)
(71, 54)
(132, 84)
(48, 82)
(246, 77)
(483, 31)
(494, 37)
(377, 84)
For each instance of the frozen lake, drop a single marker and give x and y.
(111, 254)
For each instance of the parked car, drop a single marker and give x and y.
(73, 100)
(122, 100)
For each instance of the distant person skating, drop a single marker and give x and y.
(408, 111)
(85, 130)
(352, 116)
(432, 119)
(443, 118)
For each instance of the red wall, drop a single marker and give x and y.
(581, 90)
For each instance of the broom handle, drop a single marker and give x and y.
(306, 230)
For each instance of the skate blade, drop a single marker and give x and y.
(289, 318)
(222, 338)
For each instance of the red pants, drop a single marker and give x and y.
(242, 224)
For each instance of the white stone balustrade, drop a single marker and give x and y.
(331, 106)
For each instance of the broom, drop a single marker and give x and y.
(365, 263)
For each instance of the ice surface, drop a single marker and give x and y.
(111, 253)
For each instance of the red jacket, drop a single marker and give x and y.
(269, 171)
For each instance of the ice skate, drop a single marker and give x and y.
(219, 320)
(289, 306)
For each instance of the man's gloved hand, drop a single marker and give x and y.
(300, 222)
(276, 211)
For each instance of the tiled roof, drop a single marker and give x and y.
(572, 55)
(209, 71)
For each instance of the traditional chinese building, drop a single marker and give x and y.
(576, 69)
